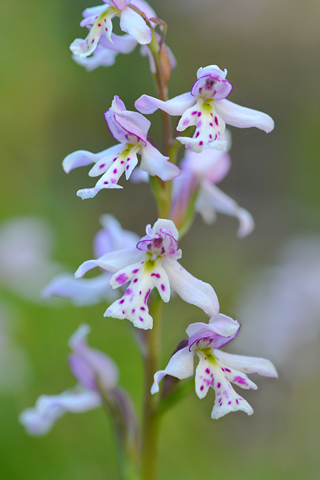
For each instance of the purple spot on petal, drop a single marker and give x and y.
(146, 296)
(218, 384)
(123, 312)
(128, 291)
(202, 387)
(240, 380)
(199, 114)
(127, 167)
(207, 371)
(102, 165)
(141, 319)
(197, 134)
(92, 41)
(122, 162)
(113, 180)
(121, 301)
(142, 308)
(229, 403)
(201, 143)
(106, 183)
(122, 278)
(99, 24)
(140, 292)
(186, 121)
(163, 287)
(227, 370)
(216, 121)
(115, 170)
(135, 280)
(135, 270)
(133, 310)
(237, 401)
(155, 275)
(194, 112)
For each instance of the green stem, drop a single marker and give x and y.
(127, 458)
(150, 434)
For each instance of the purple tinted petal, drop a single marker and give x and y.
(86, 291)
(89, 365)
(49, 408)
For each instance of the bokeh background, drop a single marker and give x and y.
(50, 107)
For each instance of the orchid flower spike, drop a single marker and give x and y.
(99, 22)
(130, 129)
(88, 291)
(152, 264)
(202, 171)
(206, 108)
(216, 369)
(94, 371)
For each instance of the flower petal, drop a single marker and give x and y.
(113, 237)
(220, 331)
(191, 289)
(49, 408)
(175, 106)
(243, 117)
(112, 261)
(81, 158)
(210, 374)
(180, 366)
(248, 364)
(212, 199)
(131, 22)
(87, 291)
(143, 277)
(153, 162)
(89, 365)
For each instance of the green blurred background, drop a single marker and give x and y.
(50, 107)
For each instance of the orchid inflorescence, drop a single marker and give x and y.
(139, 273)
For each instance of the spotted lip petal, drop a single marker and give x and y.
(210, 374)
(134, 303)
